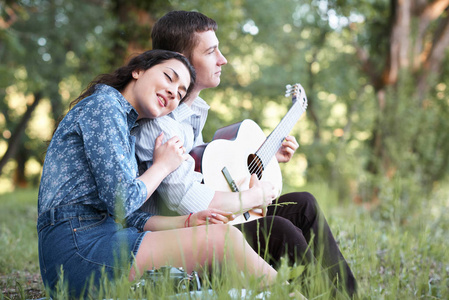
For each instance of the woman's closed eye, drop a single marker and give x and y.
(181, 89)
(171, 80)
(168, 77)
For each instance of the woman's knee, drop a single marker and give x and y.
(224, 234)
(222, 240)
(232, 234)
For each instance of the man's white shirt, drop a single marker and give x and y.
(181, 191)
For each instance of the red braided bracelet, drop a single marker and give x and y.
(187, 222)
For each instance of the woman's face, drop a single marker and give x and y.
(157, 91)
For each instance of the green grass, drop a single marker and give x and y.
(19, 262)
(398, 251)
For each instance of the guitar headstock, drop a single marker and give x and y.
(298, 94)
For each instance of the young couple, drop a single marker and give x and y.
(90, 180)
(297, 230)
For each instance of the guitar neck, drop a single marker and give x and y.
(274, 141)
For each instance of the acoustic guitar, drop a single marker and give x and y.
(241, 149)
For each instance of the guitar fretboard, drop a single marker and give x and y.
(274, 141)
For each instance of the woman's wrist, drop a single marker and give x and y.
(187, 221)
(161, 168)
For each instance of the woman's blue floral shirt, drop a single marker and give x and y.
(91, 158)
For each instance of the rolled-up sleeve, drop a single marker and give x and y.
(138, 219)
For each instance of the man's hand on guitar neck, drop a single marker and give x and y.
(288, 148)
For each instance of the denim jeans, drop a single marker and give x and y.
(84, 243)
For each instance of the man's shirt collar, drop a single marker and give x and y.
(183, 111)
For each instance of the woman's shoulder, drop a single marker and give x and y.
(105, 100)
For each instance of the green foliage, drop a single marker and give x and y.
(268, 44)
(49, 36)
(51, 51)
(416, 139)
(396, 252)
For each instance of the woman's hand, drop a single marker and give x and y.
(209, 216)
(170, 154)
(265, 191)
(288, 148)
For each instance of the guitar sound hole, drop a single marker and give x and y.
(255, 165)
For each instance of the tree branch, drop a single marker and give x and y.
(435, 9)
(426, 14)
(439, 46)
(436, 54)
(11, 17)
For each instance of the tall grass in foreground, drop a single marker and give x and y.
(398, 251)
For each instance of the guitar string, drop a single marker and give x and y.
(264, 155)
(268, 152)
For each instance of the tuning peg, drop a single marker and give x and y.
(289, 89)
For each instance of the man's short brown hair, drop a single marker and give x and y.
(176, 31)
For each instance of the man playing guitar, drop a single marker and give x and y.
(298, 230)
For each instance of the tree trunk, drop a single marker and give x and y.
(134, 36)
(15, 140)
(19, 176)
(423, 58)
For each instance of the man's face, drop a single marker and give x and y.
(207, 60)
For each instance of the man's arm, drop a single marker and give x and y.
(259, 195)
(182, 190)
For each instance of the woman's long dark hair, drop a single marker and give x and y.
(120, 78)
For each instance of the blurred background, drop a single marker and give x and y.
(376, 75)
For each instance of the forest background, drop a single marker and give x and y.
(376, 74)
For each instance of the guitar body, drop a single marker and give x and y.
(243, 149)
(233, 147)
